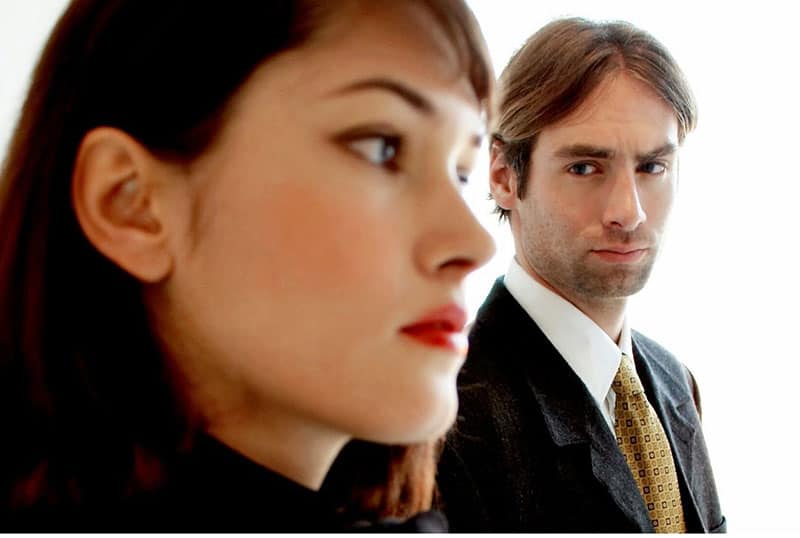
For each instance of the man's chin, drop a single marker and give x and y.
(618, 284)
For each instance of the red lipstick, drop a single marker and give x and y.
(440, 328)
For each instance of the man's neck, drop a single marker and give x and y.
(608, 314)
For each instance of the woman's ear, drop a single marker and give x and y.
(502, 179)
(118, 198)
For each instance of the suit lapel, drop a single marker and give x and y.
(572, 418)
(674, 406)
(570, 414)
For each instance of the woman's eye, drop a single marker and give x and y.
(652, 168)
(380, 150)
(582, 169)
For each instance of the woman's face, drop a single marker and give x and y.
(318, 278)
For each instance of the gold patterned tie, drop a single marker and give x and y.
(644, 444)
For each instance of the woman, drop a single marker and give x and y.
(233, 240)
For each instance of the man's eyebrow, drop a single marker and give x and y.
(410, 96)
(584, 150)
(667, 149)
(596, 152)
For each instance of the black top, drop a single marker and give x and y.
(215, 489)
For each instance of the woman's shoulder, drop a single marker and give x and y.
(211, 488)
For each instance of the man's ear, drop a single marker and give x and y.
(116, 196)
(502, 179)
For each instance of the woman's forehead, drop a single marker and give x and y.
(403, 34)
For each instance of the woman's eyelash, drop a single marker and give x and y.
(380, 150)
(383, 150)
(377, 148)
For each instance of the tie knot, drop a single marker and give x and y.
(626, 382)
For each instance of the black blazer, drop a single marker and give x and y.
(531, 451)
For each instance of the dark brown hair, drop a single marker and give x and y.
(561, 65)
(89, 406)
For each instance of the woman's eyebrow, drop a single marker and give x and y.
(410, 96)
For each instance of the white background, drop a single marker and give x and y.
(723, 296)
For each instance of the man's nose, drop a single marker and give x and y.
(624, 209)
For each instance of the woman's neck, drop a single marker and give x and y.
(286, 444)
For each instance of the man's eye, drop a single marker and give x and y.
(652, 168)
(380, 150)
(582, 169)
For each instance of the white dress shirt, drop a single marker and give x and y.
(588, 350)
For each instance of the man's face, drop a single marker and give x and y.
(600, 189)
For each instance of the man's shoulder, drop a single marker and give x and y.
(665, 366)
(657, 356)
(503, 334)
(497, 305)
(651, 348)
(653, 351)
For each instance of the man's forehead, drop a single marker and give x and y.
(629, 133)
(620, 99)
(608, 138)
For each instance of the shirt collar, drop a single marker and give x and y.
(588, 350)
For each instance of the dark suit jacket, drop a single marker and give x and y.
(531, 451)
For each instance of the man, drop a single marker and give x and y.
(569, 420)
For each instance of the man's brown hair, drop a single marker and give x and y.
(559, 66)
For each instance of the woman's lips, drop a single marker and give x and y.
(442, 328)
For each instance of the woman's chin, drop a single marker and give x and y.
(419, 424)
